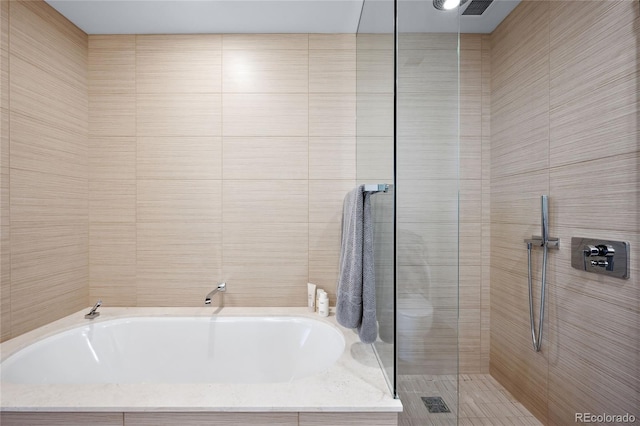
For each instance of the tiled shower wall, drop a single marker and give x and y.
(218, 157)
(564, 122)
(5, 226)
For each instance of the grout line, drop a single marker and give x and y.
(88, 80)
(222, 277)
(135, 154)
(309, 92)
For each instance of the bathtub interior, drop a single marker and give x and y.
(179, 350)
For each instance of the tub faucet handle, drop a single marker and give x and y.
(94, 311)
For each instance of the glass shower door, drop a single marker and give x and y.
(427, 146)
(407, 134)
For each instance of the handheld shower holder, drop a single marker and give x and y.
(536, 241)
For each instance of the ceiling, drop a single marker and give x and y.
(270, 16)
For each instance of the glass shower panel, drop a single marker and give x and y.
(375, 158)
(427, 140)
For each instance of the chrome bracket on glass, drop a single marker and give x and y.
(601, 256)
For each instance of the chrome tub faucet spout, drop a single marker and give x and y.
(94, 311)
(222, 287)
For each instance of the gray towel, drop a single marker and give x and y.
(356, 305)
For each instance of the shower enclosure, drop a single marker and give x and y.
(473, 126)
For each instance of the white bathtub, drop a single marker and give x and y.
(192, 360)
(216, 349)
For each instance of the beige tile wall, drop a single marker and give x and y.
(519, 48)
(218, 157)
(485, 231)
(45, 194)
(565, 108)
(473, 327)
(112, 172)
(5, 224)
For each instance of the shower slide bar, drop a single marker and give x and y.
(545, 242)
(377, 187)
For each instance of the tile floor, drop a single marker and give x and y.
(483, 401)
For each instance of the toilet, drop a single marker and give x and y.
(415, 317)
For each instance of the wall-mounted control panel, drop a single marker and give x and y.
(600, 256)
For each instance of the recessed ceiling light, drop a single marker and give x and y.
(447, 4)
